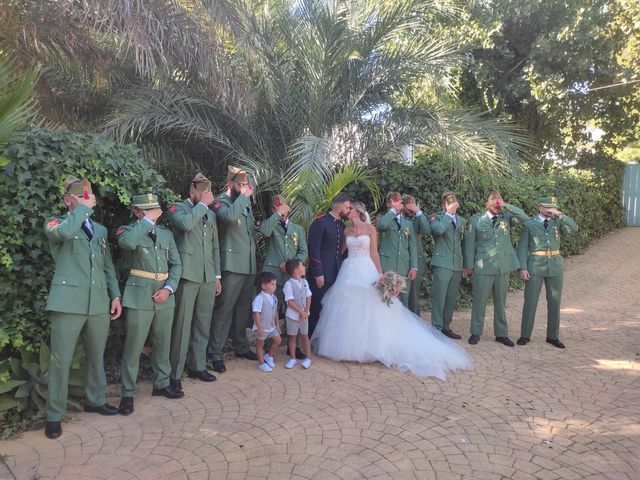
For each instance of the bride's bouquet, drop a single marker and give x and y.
(389, 286)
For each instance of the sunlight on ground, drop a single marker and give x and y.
(571, 310)
(618, 365)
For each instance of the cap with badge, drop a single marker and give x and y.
(77, 187)
(449, 197)
(201, 183)
(408, 199)
(548, 202)
(147, 201)
(278, 201)
(235, 174)
(494, 195)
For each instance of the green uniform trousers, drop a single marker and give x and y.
(191, 325)
(483, 287)
(444, 291)
(65, 330)
(413, 296)
(139, 323)
(232, 314)
(532, 288)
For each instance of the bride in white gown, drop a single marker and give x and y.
(355, 324)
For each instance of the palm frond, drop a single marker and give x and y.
(16, 103)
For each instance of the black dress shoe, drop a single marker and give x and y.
(451, 334)
(555, 342)
(202, 375)
(218, 366)
(522, 341)
(105, 409)
(168, 391)
(505, 341)
(177, 384)
(473, 339)
(126, 406)
(248, 355)
(53, 429)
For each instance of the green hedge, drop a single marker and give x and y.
(35, 164)
(590, 193)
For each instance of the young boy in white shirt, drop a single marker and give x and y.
(297, 294)
(266, 322)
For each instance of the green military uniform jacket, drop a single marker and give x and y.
(488, 249)
(197, 240)
(534, 237)
(397, 247)
(238, 251)
(143, 254)
(85, 279)
(421, 227)
(282, 246)
(447, 251)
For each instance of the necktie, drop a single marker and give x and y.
(152, 235)
(453, 222)
(86, 228)
(398, 222)
(494, 220)
(204, 219)
(545, 223)
(284, 226)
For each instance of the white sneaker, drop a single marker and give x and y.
(291, 363)
(263, 367)
(268, 359)
(306, 363)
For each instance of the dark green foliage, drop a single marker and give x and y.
(35, 165)
(589, 193)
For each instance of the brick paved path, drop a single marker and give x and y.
(532, 412)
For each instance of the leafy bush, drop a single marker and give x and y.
(590, 193)
(35, 165)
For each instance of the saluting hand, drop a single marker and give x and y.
(153, 214)
(89, 202)
(207, 197)
(246, 189)
(452, 208)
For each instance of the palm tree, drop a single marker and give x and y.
(317, 85)
(16, 104)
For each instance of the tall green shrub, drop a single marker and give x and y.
(590, 193)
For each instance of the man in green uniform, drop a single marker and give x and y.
(540, 262)
(238, 257)
(397, 246)
(84, 294)
(448, 229)
(489, 257)
(148, 301)
(285, 241)
(196, 235)
(411, 211)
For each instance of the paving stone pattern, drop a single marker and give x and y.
(523, 413)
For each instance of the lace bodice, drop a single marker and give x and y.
(358, 246)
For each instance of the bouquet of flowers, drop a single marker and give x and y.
(389, 286)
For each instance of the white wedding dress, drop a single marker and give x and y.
(355, 324)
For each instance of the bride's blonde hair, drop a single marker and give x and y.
(361, 209)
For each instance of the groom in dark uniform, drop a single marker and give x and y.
(326, 238)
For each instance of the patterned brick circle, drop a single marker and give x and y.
(532, 412)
